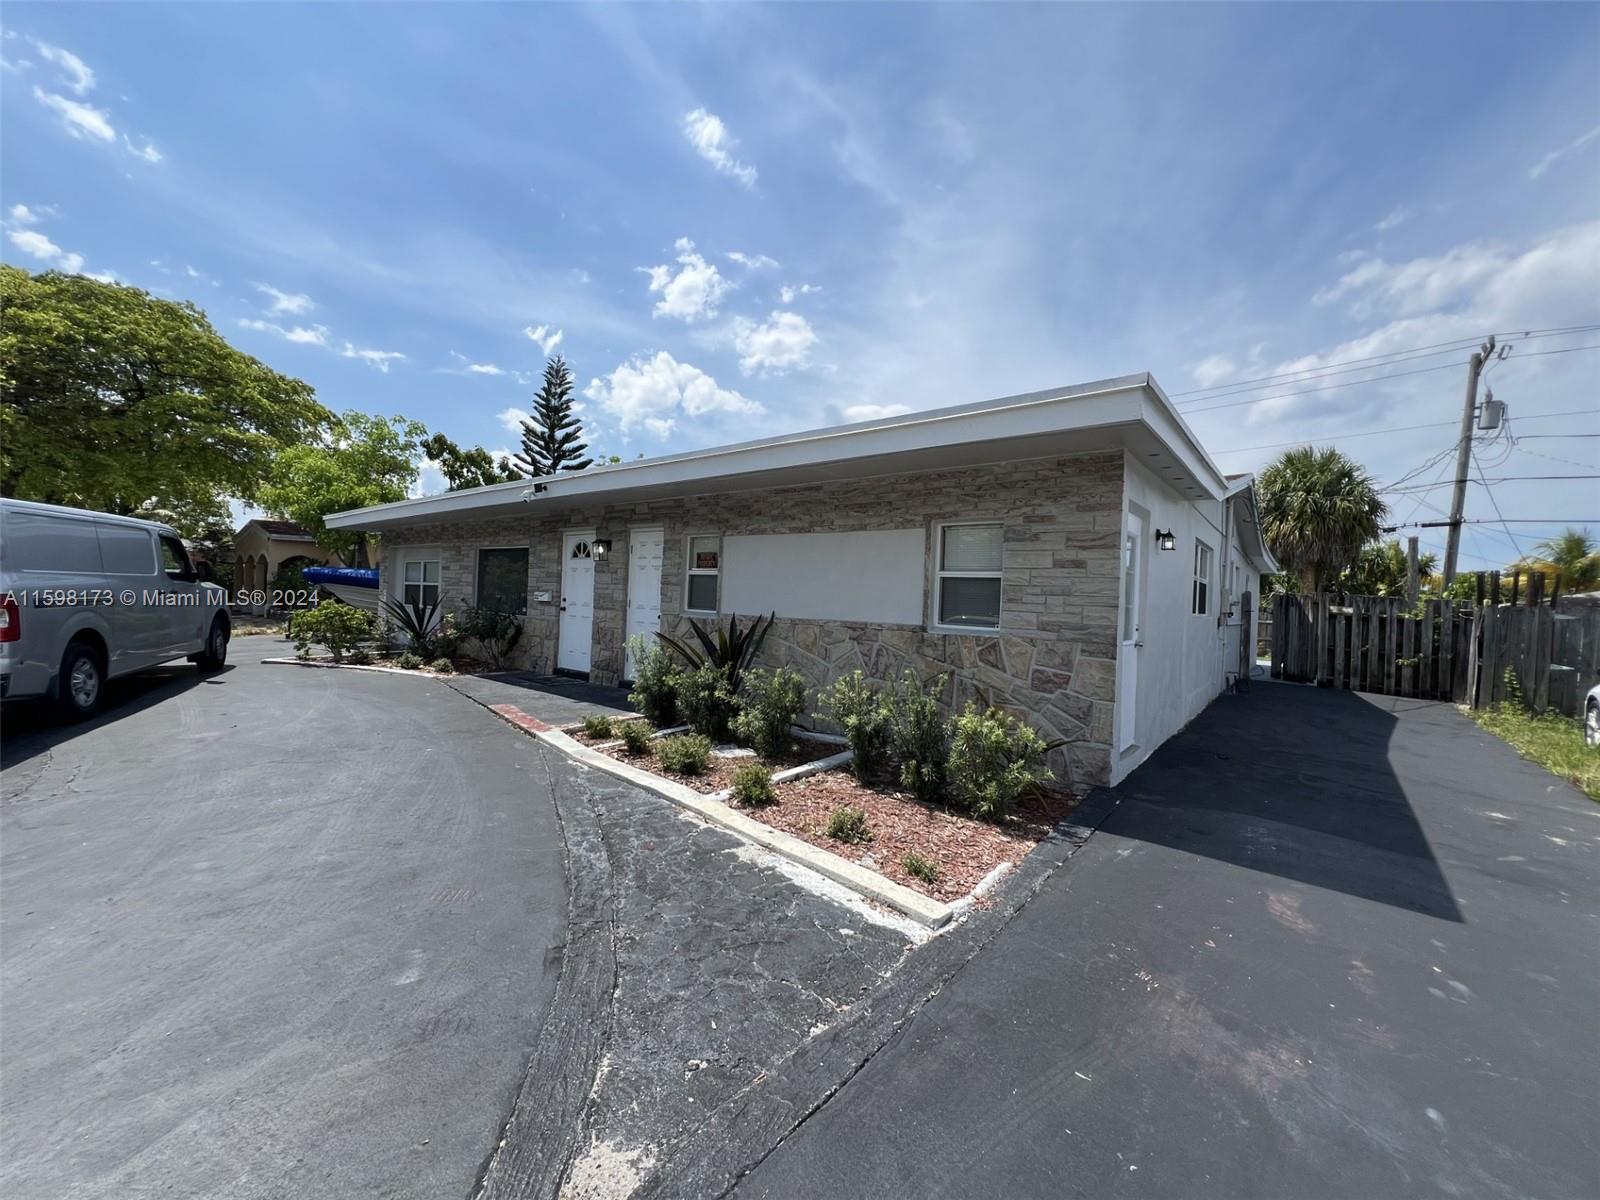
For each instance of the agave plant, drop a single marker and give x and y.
(731, 651)
(415, 620)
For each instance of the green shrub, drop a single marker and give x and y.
(339, 627)
(684, 753)
(636, 736)
(994, 760)
(443, 666)
(409, 661)
(731, 651)
(752, 787)
(706, 703)
(359, 657)
(861, 712)
(849, 824)
(921, 737)
(598, 725)
(414, 621)
(771, 703)
(655, 681)
(494, 633)
(920, 868)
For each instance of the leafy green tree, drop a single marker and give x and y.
(364, 460)
(468, 468)
(1380, 570)
(114, 400)
(551, 437)
(1318, 509)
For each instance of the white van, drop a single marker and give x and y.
(86, 597)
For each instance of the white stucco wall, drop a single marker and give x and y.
(1180, 665)
(876, 575)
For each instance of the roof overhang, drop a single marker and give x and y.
(1248, 514)
(1130, 413)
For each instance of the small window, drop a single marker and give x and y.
(1202, 579)
(175, 559)
(419, 581)
(705, 565)
(503, 580)
(969, 575)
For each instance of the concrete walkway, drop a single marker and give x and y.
(1326, 946)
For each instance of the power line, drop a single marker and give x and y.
(1428, 487)
(1373, 379)
(1413, 352)
(1490, 493)
(1342, 437)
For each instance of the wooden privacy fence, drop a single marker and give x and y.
(1374, 644)
(1443, 650)
(1553, 652)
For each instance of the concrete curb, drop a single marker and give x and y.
(329, 666)
(735, 1137)
(926, 911)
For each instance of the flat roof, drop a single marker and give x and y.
(1130, 412)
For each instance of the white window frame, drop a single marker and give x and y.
(1200, 600)
(690, 571)
(940, 575)
(418, 554)
(477, 574)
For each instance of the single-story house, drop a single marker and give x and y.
(1071, 554)
(262, 548)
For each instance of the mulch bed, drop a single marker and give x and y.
(718, 776)
(577, 734)
(963, 848)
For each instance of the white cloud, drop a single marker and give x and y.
(1213, 370)
(782, 343)
(512, 418)
(752, 262)
(693, 292)
(102, 276)
(80, 120)
(381, 359)
(31, 241)
(1396, 217)
(654, 392)
(475, 368)
(148, 151)
(1549, 160)
(75, 73)
(873, 412)
(21, 214)
(312, 335)
(712, 142)
(291, 304)
(789, 292)
(548, 339)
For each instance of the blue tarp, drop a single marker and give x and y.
(366, 577)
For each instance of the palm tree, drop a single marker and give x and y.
(1572, 554)
(1318, 509)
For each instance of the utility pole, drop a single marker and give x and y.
(1413, 575)
(1458, 497)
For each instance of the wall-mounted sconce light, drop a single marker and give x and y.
(602, 547)
(1165, 540)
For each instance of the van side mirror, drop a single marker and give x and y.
(204, 572)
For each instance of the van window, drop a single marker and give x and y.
(175, 559)
(34, 542)
(126, 550)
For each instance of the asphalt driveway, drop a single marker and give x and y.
(277, 932)
(1326, 946)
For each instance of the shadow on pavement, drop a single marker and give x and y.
(29, 728)
(1292, 781)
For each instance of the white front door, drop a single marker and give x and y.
(577, 601)
(1131, 635)
(644, 586)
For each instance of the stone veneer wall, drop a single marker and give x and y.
(1053, 662)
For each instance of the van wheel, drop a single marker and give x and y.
(215, 654)
(82, 682)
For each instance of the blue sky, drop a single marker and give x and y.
(745, 220)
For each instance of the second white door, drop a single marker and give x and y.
(644, 586)
(577, 600)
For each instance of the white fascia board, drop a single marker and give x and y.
(1128, 401)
